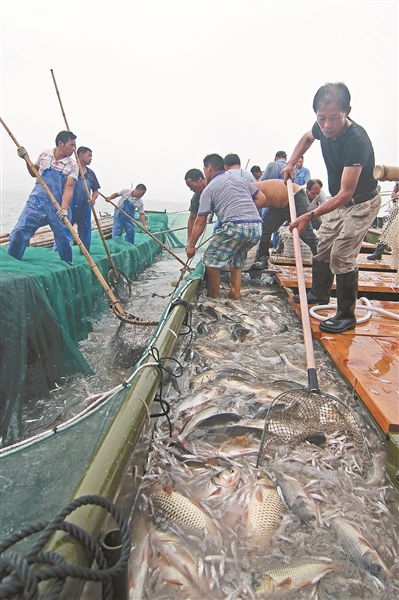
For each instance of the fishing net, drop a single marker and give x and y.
(390, 237)
(297, 415)
(285, 237)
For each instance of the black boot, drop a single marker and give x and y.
(322, 280)
(346, 301)
(377, 252)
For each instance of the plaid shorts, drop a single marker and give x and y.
(231, 244)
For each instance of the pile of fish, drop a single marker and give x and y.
(209, 523)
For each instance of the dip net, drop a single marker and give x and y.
(298, 416)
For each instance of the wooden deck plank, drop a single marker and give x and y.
(363, 264)
(378, 325)
(372, 372)
(368, 357)
(369, 281)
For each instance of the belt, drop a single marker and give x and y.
(360, 198)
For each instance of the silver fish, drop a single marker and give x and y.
(262, 516)
(219, 484)
(287, 578)
(193, 422)
(183, 511)
(358, 549)
(298, 499)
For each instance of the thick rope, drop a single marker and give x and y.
(19, 575)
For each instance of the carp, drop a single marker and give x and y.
(262, 516)
(183, 511)
(358, 549)
(287, 578)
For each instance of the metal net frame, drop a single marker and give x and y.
(298, 415)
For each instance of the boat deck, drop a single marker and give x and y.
(369, 281)
(368, 357)
(363, 264)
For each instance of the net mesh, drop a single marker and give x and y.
(298, 415)
(390, 237)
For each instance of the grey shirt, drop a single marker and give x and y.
(273, 170)
(242, 173)
(231, 198)
(318, 201)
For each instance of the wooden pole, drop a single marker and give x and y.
(146, 231)
(116, 307)
(111, 262)
(307, 331)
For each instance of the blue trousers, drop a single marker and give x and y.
(123, 223)
(81, 213)
(40, 211)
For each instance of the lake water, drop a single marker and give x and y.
(13, 201)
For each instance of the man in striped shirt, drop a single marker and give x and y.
(59, 171)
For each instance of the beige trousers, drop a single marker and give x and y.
(342, 232)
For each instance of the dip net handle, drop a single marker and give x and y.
(307, 331)
(116, 307)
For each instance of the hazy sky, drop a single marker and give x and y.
(152, 87)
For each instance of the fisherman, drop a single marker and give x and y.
(256, 172)
(130, 200)
(316, 196)
(302, 174)
(232, 164)
(355, 202)
(274, 168)
(59, 171)
(232, 199)
(80, 205)
(196, 182)
(278, 212)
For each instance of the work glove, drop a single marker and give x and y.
(62, 213)
(21, 151)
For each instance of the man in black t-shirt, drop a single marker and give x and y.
(196, 182)
(355, 202)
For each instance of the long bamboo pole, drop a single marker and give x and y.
(111, 262)
(115, 306)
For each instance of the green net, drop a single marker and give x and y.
(48, 307)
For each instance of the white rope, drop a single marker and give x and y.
(366, 305)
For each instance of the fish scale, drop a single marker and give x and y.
(181, 510)
(263, 513)
(358, 549)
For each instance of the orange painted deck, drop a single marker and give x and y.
(363, 264)
(369, 281)
(368, 357)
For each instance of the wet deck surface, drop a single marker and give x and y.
(369, 281)
(368, 357)
(363, 264)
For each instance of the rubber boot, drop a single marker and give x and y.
(346, 301)
(377, 252)
(322, 280)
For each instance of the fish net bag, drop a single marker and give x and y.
(297, 416)
(390, 237)
(285, 238)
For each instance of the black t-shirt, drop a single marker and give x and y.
(194, 204)
(350, 149)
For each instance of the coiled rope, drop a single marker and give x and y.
(20, 576)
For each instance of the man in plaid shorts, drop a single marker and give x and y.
(235, 202)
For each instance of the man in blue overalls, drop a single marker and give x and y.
(59, 171)
(130, 200)
(80, 205)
